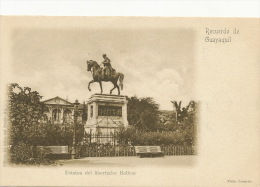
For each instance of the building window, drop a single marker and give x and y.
(56, 114)
(91, 111)
(67, 116)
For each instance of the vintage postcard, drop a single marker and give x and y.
(129, 101)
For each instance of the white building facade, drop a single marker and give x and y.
(59, 110)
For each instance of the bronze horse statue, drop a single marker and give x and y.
(96, 71)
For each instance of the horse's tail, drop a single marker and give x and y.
(121, 78)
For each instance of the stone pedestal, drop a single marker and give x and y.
(106, 113)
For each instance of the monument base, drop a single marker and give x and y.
(106, 114)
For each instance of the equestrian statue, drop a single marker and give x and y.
(106, 74)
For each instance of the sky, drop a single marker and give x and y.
(156, 62)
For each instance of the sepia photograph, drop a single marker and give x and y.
(101, 93)
(129, 101)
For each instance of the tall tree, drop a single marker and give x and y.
(25, 111)
(188, 121)
(182, 112)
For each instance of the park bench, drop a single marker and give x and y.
(55, 151)
(148, 151)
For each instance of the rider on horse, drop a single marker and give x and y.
(98, 74)
(107, 71)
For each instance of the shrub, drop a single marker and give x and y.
(20, 153)
(40, 159)
(178, 137)
(25, 154)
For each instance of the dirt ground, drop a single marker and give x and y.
(132, 161)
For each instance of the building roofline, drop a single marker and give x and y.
(58, 98)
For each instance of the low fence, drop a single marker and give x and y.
(106, 151)
(127, 150)
(110, 138)
(178, 150)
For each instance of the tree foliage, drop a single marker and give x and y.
(167, 121)
(25, 111)
(58, 134)
(142, 113)
(183, 112)
(181, 132)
